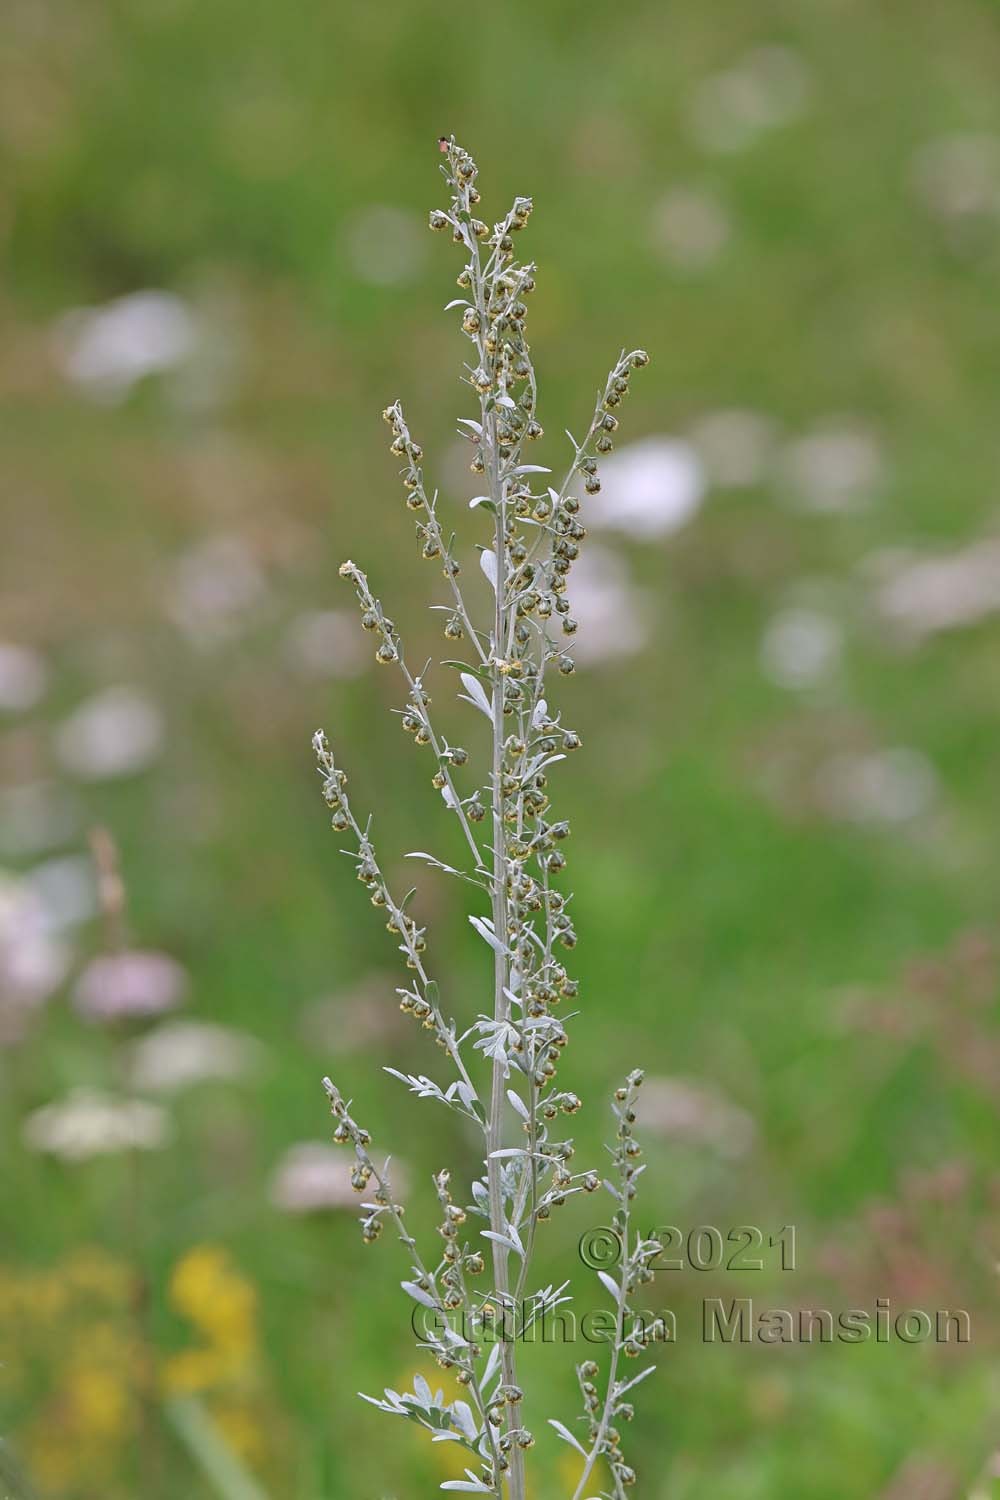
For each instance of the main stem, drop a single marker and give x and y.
(501, 1005)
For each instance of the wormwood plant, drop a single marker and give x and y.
(503, 1065)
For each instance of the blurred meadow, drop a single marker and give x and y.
(785, 855)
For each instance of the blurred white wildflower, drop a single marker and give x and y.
(385, 245)
(957, 177)
(612, 612)
(33, 959)
(881, 786)
(106, 350)
(36, 816)
(735, 447)
(314, 1176)
(179, 1054)
(135, 983)
(690, 227)
(925, 1477)
(836, 467)
(800, 647)
(649, 488)
(24, 677)
(215, 589)
(769, 87)
(923, 595)
(118, 732)
(355, 1018)
(696, 1114)
(89, 1123)
(325, 643)
(67, 889)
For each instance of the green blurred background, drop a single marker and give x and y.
(785, 856)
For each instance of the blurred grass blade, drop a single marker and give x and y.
(210, 1450)
(12, 1478)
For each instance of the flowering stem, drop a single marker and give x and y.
(536, 537)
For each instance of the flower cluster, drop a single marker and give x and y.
(506, 1060)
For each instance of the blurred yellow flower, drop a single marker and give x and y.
(84, 1364)
(211, 1293)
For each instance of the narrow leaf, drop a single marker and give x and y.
(474, 688)
(418, 1294)
(488, 563)
(501, 1239)
(518, 1104)
(487, 934)
(567, 1436)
